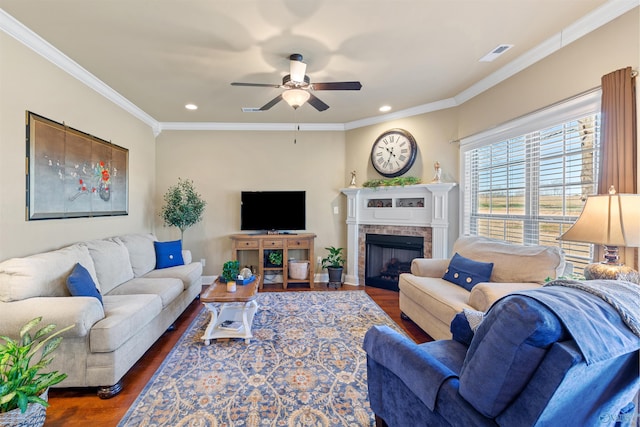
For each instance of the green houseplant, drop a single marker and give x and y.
(230, 270)
(275, 258)
(183, 206)
(334, 263)
(22, 385)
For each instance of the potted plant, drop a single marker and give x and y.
(23, 388)
(275, 258)
(183, 206)
(334, 263)
(230, 270)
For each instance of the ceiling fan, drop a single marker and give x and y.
(298, 87)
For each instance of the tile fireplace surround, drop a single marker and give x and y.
(428, 210)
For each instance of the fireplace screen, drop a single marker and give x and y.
(388, 256)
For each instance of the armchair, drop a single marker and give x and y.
(549, 356)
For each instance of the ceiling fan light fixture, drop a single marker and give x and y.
(295, 97)
(297, 70)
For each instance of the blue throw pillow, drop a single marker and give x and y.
(168, 254)
(464, 325)
(466, 272)
(80, 283)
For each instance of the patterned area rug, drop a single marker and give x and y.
(304, 367)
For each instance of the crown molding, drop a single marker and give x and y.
(303, 127)
(584, 25)
(24, 35)
(401, 114)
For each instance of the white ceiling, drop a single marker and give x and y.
(414, 55)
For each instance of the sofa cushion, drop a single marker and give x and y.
(111, 260)
(441, 298)
(168, 254)
(125, 315)
(142, 254)
(189, 273)
(466, 272)
(168, 289)
(80, 283)
(42, 275)
(505, 352)
(511, 262)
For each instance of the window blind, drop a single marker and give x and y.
(529, 188)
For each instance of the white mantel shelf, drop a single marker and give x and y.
(420, 205)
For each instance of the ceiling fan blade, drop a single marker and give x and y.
(271, 103)
(337, 86)
(316, 103)
(255, 84)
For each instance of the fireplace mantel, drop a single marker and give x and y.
(421, 205)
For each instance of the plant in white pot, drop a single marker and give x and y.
(183, 206)
(334, 263)
(23, 388)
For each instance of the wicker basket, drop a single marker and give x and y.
(298, 270)
(33, 417)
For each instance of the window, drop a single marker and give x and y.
(526, 181)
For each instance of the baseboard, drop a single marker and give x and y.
(208, 280)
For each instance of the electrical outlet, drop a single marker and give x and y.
(319, 259)
(336, 210)
(203, 261)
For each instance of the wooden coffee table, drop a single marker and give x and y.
(239, 306)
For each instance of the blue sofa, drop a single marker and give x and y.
(557, 355)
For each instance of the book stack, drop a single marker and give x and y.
(231, 325)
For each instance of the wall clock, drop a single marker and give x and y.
(394, 152)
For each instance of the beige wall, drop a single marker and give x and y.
(222, 164)
(433, 133)
(28, 82)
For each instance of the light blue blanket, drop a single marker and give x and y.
(621, 295)
(598, 328)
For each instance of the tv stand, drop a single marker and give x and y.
(279, 232)
(256, 247)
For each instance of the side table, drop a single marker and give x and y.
(238, 306)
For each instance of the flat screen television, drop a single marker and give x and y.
(273, 210)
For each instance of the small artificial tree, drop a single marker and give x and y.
(183, 206)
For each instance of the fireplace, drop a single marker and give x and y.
(388, 256)
(426, 211)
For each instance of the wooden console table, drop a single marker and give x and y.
(250, 246)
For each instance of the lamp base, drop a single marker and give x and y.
(611, 272)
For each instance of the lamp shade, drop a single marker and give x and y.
(295, 97)
(608, 219)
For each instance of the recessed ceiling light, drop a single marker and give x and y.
(191, 107)
(385, 108)
(497, 51)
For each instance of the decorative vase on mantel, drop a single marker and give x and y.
(34, 416)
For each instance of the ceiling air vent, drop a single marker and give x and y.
(499, 50)
(251, 110)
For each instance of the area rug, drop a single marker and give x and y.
(304, 367)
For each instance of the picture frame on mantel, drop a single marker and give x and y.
(71, 174)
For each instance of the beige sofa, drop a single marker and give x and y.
(140, 304)
(432, 302)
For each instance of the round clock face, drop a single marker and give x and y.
(394, 152)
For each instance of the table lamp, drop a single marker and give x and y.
(611, 220)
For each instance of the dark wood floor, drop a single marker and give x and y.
(82, 408)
